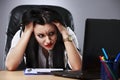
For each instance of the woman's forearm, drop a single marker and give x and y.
(74, 56)
(16, 54)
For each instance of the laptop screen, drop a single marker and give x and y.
(100, 33)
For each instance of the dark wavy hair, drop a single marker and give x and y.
(43, 16)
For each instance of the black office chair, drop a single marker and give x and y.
(16, 16)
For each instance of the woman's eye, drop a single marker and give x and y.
(41, 35)
(51, 33)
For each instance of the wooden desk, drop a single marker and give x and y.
(19, 75)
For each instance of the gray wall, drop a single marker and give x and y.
(80, 9)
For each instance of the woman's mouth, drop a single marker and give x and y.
(48, 45)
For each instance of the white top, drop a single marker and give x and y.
(42, 60)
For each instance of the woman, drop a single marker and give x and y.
(44, 42)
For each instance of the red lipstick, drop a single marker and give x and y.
(48, 45)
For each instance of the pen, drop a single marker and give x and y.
(106, 67)
(117, 58)
(101, 58)
(105, 54)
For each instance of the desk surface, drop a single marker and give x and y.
(19, 75)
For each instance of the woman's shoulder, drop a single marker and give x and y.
(17, 34)
(68, 28)
(70, 31)
(15, 38)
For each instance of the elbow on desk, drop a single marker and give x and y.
(77, 68)
(10, 67)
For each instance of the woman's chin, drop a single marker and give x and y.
(48, 49)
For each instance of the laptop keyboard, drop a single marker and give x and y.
(76, 74)
(69, 74)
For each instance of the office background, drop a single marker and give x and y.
(80, 9)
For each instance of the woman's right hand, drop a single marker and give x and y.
(29, 27)
(17, 52)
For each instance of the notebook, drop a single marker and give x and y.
(99, 33)
(40, 71)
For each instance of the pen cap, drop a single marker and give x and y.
(117, 58)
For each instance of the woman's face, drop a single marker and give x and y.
(46, 35)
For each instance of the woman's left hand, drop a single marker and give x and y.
(60, 27)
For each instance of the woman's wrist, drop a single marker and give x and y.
(65, 34)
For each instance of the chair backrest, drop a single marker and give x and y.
(16, 16)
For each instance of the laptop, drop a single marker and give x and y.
(99, 33)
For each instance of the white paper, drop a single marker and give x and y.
(40, 70)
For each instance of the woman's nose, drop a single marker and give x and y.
(47, 39)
